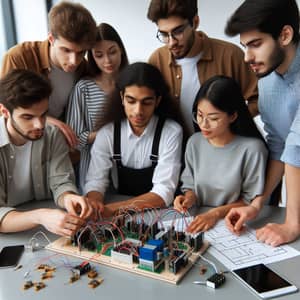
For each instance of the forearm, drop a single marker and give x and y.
(95, 196)
(293, 195)
(147, 200)
(221, 211)
(190, 196)
(275, 172)
(16, 221)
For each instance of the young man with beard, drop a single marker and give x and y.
(190, 57)
(72, 31)
(269, 31)
(34, 162)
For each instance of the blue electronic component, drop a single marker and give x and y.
(158, 243)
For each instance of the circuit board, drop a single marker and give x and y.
(140, 242)
(63, 245)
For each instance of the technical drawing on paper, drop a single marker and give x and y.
(244, 250)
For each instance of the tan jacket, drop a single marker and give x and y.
(218, 58)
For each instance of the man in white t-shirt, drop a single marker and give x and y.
(190, 57)
(34, 161)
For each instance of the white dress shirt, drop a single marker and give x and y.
(135, 152)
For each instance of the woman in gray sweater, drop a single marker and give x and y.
(225, 162)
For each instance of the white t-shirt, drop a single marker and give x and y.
(21, 184)
(190, 85)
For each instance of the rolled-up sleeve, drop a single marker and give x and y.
(291, 152)
(97, 178)
(166, 173)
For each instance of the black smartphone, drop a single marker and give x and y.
(264, 282)
(10, 255)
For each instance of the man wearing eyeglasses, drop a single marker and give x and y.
(190, 57)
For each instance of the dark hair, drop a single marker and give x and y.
(225, 94)
(106, 32)
(267, 16)
(73, 22)
(163, 9)
(23, 88)
(141, 74)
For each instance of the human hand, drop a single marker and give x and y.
(278, 234)
(97, 208)
(66, 130)
(183, 203)
(203, 222)
(77, 205)
(60, 222)
(236, 218)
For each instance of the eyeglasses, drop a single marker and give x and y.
(176, 34)
(213, 122)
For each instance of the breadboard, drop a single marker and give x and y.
(63, 245)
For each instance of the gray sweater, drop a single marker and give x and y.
(221, 175)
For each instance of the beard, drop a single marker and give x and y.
(275, 60)
(24, 134)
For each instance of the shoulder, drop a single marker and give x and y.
(159, 53)
(52, 132)
(194, 140)
(25, 47)
(106, 130)
(84, 83)
(251, 144)
(226, 47)
(172, 126)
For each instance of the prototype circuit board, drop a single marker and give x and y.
(131, 245)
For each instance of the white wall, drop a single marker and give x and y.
(129, 17)
(31, 19)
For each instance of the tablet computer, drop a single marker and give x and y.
(264, 282)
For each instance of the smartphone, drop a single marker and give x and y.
(264, 282)
(9, 256)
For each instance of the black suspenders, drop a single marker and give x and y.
(155, 144)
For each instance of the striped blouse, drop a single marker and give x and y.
(85, 113)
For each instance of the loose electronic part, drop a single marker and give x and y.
(95, 282)
(39, 285)
(46, 268)
(92, 274)
(82, 268)
(27, 285)
(74, 278)
(47, 275)
(18, 267)
(216, 280)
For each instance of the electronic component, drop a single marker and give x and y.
(74, 278)
(27, 285)
(18, 267)
(82, 268)
(215, 280)
(39, 285)
(47, 275)
(46, 268)
(92, 274)
(95, 282)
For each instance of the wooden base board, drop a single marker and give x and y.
(63, 245)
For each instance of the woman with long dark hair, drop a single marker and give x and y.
(89, 99)
(225, 162)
